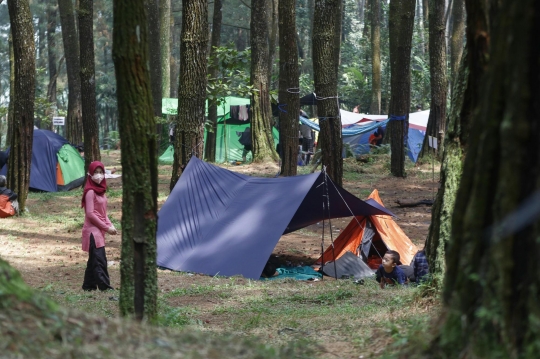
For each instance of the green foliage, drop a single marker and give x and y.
(113, 140)
(233, 74)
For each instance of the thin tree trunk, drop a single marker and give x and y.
(439, 84)
(138, 291)
(425, 17)
(376, 84)
(71, 52)
(88, 83)
(189, 130)
(273, 40)
(260, 117)
(457, 38)
(154, 43)
(164, 39)
(210, 148)
(20, 155)
(51, 52)
(420, 26)
(401, 23)
(326, 46)
(492, 277)
(289, 100)
(11, 106)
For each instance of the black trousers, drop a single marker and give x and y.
(96, 274)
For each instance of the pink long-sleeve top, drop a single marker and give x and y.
(96, 221)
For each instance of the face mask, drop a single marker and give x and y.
(98, 177)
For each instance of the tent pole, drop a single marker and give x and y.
(329, 219)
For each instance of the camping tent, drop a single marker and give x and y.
(56, 164)
(371, 235)
(227, 146)
(220, 222)
(357, 127)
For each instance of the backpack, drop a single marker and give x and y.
(6, 208)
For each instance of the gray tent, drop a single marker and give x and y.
(219, 222)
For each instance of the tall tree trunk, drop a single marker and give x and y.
(260, 116)
(326, 46)
(492, 278)
(273, 40)
(51, 52)
(455, 142)
(376, 84)
(289, 100)
(154, 43)
(456, 40)
(420, 26)
(11, 106)
(164, 39)
(71, 52)
(138, 291)
(439, 84)
(175, 68)
(210, 148)
(20, 154)
(425, 17)
(401, 23)
(88, 83)
(189, 130)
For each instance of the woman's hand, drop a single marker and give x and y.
(112, 230)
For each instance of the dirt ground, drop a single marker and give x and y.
(46, 248)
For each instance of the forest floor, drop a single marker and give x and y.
(340, 319)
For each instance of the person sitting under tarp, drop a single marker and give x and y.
(420, 266)
(9, 206)
(389, 272)
(376, 138)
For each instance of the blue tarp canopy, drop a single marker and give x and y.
(219, 222)
(45, 146)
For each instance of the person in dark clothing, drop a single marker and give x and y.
(420, 266)
(245, 139)
(389, 272)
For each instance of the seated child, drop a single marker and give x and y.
(389, 272)
(9, 206)
(420, 266)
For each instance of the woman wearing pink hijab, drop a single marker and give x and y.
(96, 223)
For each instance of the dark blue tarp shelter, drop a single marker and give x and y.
(219, 222)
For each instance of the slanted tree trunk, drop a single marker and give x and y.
(289, 100)
(20, 154)
(88, 83)
(326, 45)
(51, 52)
(492, 276)
(401, 23)
(260, 117)
(189, 130)
(439, 84)
(71, 52)
(152, 8)
(376, 86)
(457, 37)
(210, 148)
(138, 291)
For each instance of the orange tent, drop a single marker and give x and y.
(383, 232)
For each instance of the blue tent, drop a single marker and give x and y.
(49, 150)
(220, 222)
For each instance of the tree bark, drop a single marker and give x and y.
(492, 274)
(439, 84)
(289, 99)
(210, 148)
(326, 46)
(260, 117)
(154, 43)
(88, 83)
(457, 38)
(189, 130)
(20, 154)
(164, 39)
(51, 52)
(71, 52)
(273, 32)
(11, 106)
(401, 23)
(455, 140)
(138, 292)
(376, 86)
